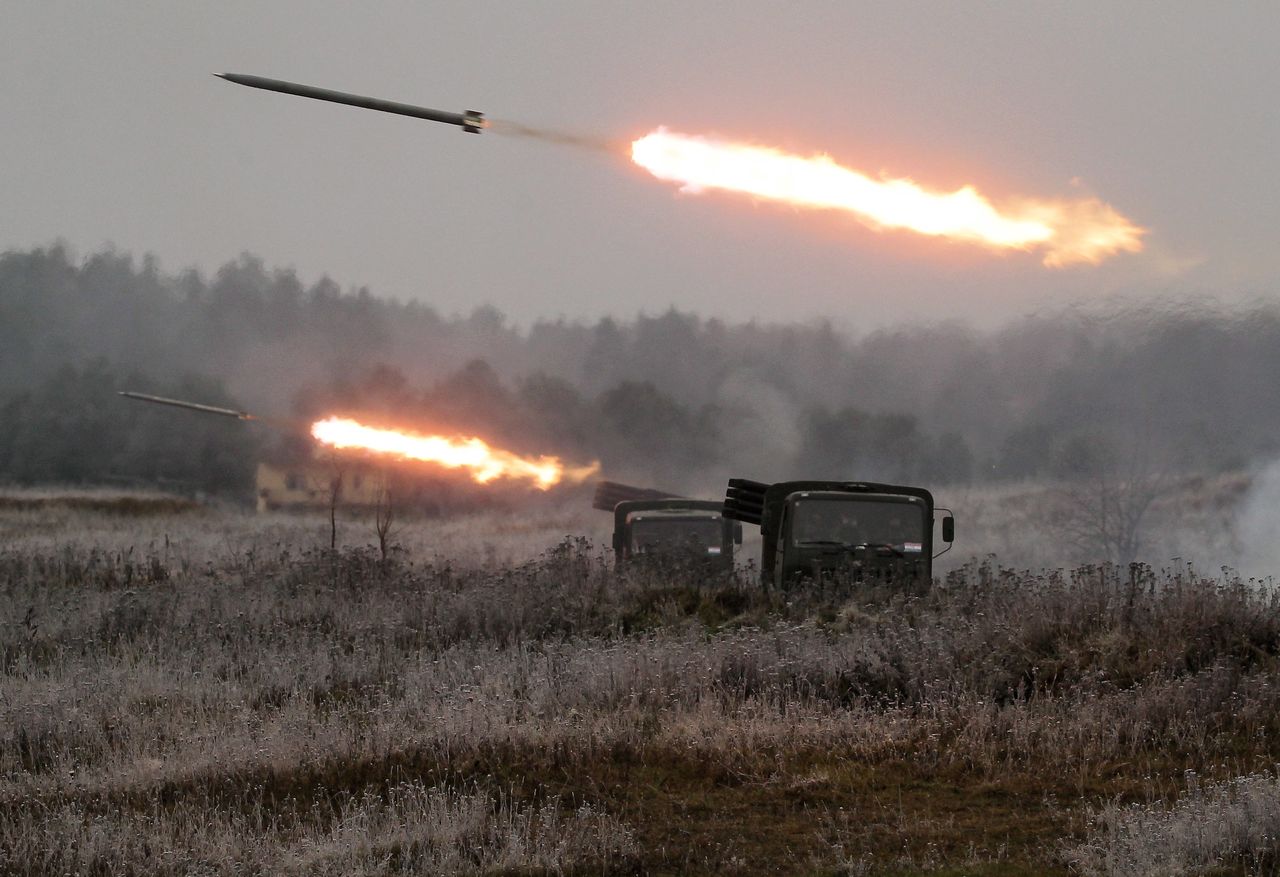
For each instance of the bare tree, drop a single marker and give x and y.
(1103, 509)
(384, 512)
(334, 495)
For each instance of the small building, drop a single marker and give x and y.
(311, 484)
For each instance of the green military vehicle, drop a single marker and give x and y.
(662, 528)
(862, 531)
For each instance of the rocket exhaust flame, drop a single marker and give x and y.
(484, 463)
(1068, 232)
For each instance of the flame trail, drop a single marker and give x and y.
(1068, 232)
(483, 462)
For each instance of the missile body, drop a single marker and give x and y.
(194, 406)
(470, 120)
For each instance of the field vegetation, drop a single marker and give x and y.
(194, 691)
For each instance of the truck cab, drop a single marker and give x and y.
(682, 530)
(654, 527)
(861, 531)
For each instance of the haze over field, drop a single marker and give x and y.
(1089, 399)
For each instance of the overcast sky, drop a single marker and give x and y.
(113, 132)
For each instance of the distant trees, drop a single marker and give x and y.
(643, 425)
(73, 429)
(849, 444)
(667, 394)
(1105, 494)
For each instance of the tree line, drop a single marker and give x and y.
(671, 398)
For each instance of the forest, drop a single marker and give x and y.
(669, 398)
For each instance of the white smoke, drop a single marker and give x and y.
(1258, 525)
(766, 436)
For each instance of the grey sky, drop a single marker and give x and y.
(114, 131)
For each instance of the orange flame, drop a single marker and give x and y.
(483, 462)
(1085, 230)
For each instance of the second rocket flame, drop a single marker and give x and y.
(1068, 232)
(482, 462)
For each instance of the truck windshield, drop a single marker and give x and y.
(663, 535)
(855, 522)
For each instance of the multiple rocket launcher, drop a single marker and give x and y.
(744, 500)
(676, 525)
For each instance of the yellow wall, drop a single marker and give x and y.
(308, 486)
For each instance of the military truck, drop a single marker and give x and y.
(864, 531)
(657, 527)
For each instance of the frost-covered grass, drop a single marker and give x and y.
(404, 827)
(49, 520)
(222, 694)
(1224, 827)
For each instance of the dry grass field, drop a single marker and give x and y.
(186, 690)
